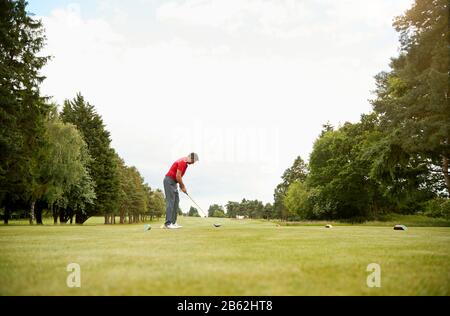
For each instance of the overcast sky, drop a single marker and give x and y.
(247, 84)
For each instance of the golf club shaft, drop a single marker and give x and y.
(196, 204)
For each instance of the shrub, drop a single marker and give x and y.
(438, 207)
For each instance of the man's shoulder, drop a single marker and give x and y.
(181, 161)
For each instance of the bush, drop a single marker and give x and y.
(438, 207)
(218, 213)
(297, 203)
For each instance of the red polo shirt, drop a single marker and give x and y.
(181, 165)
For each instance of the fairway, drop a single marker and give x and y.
(248, 257)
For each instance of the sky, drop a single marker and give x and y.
(247, 84)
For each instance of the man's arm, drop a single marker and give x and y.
(180, 181)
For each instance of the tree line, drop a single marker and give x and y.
(59, 163)
(396, 158)
(246, 208)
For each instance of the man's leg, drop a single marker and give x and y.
(170, 201)
(175, 208)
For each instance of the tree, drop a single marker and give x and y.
(136, 199)
(252, 208)
(268, 212)
(296, 201)
(297, 172)
(60, 168)
(412, 99)
(157, 204)
(249, 208)
(103, 168)
(80, 195)
(232, 209)
(193, 212)
(213, 208)
(125, 188)
(137, 196)
(339, 176)
(327, 127)
(22, 109)
(218, 213)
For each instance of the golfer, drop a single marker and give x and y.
(174, 176)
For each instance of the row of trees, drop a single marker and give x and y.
(57, 161)
(247, 208)
(396, 158)
(120, 190)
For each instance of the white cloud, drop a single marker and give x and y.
(281, 18)
(268, 17)
(240, 74)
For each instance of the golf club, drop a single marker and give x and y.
(196, 204)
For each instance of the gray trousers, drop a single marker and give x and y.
(172, 200)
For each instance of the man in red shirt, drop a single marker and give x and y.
(174, 176)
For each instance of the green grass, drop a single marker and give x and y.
(49, 221)
(239, 258)
(388, 220)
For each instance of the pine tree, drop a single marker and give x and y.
(103, 166)
(22, 109)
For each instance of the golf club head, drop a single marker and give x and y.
(217, 225)
(147, 227)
